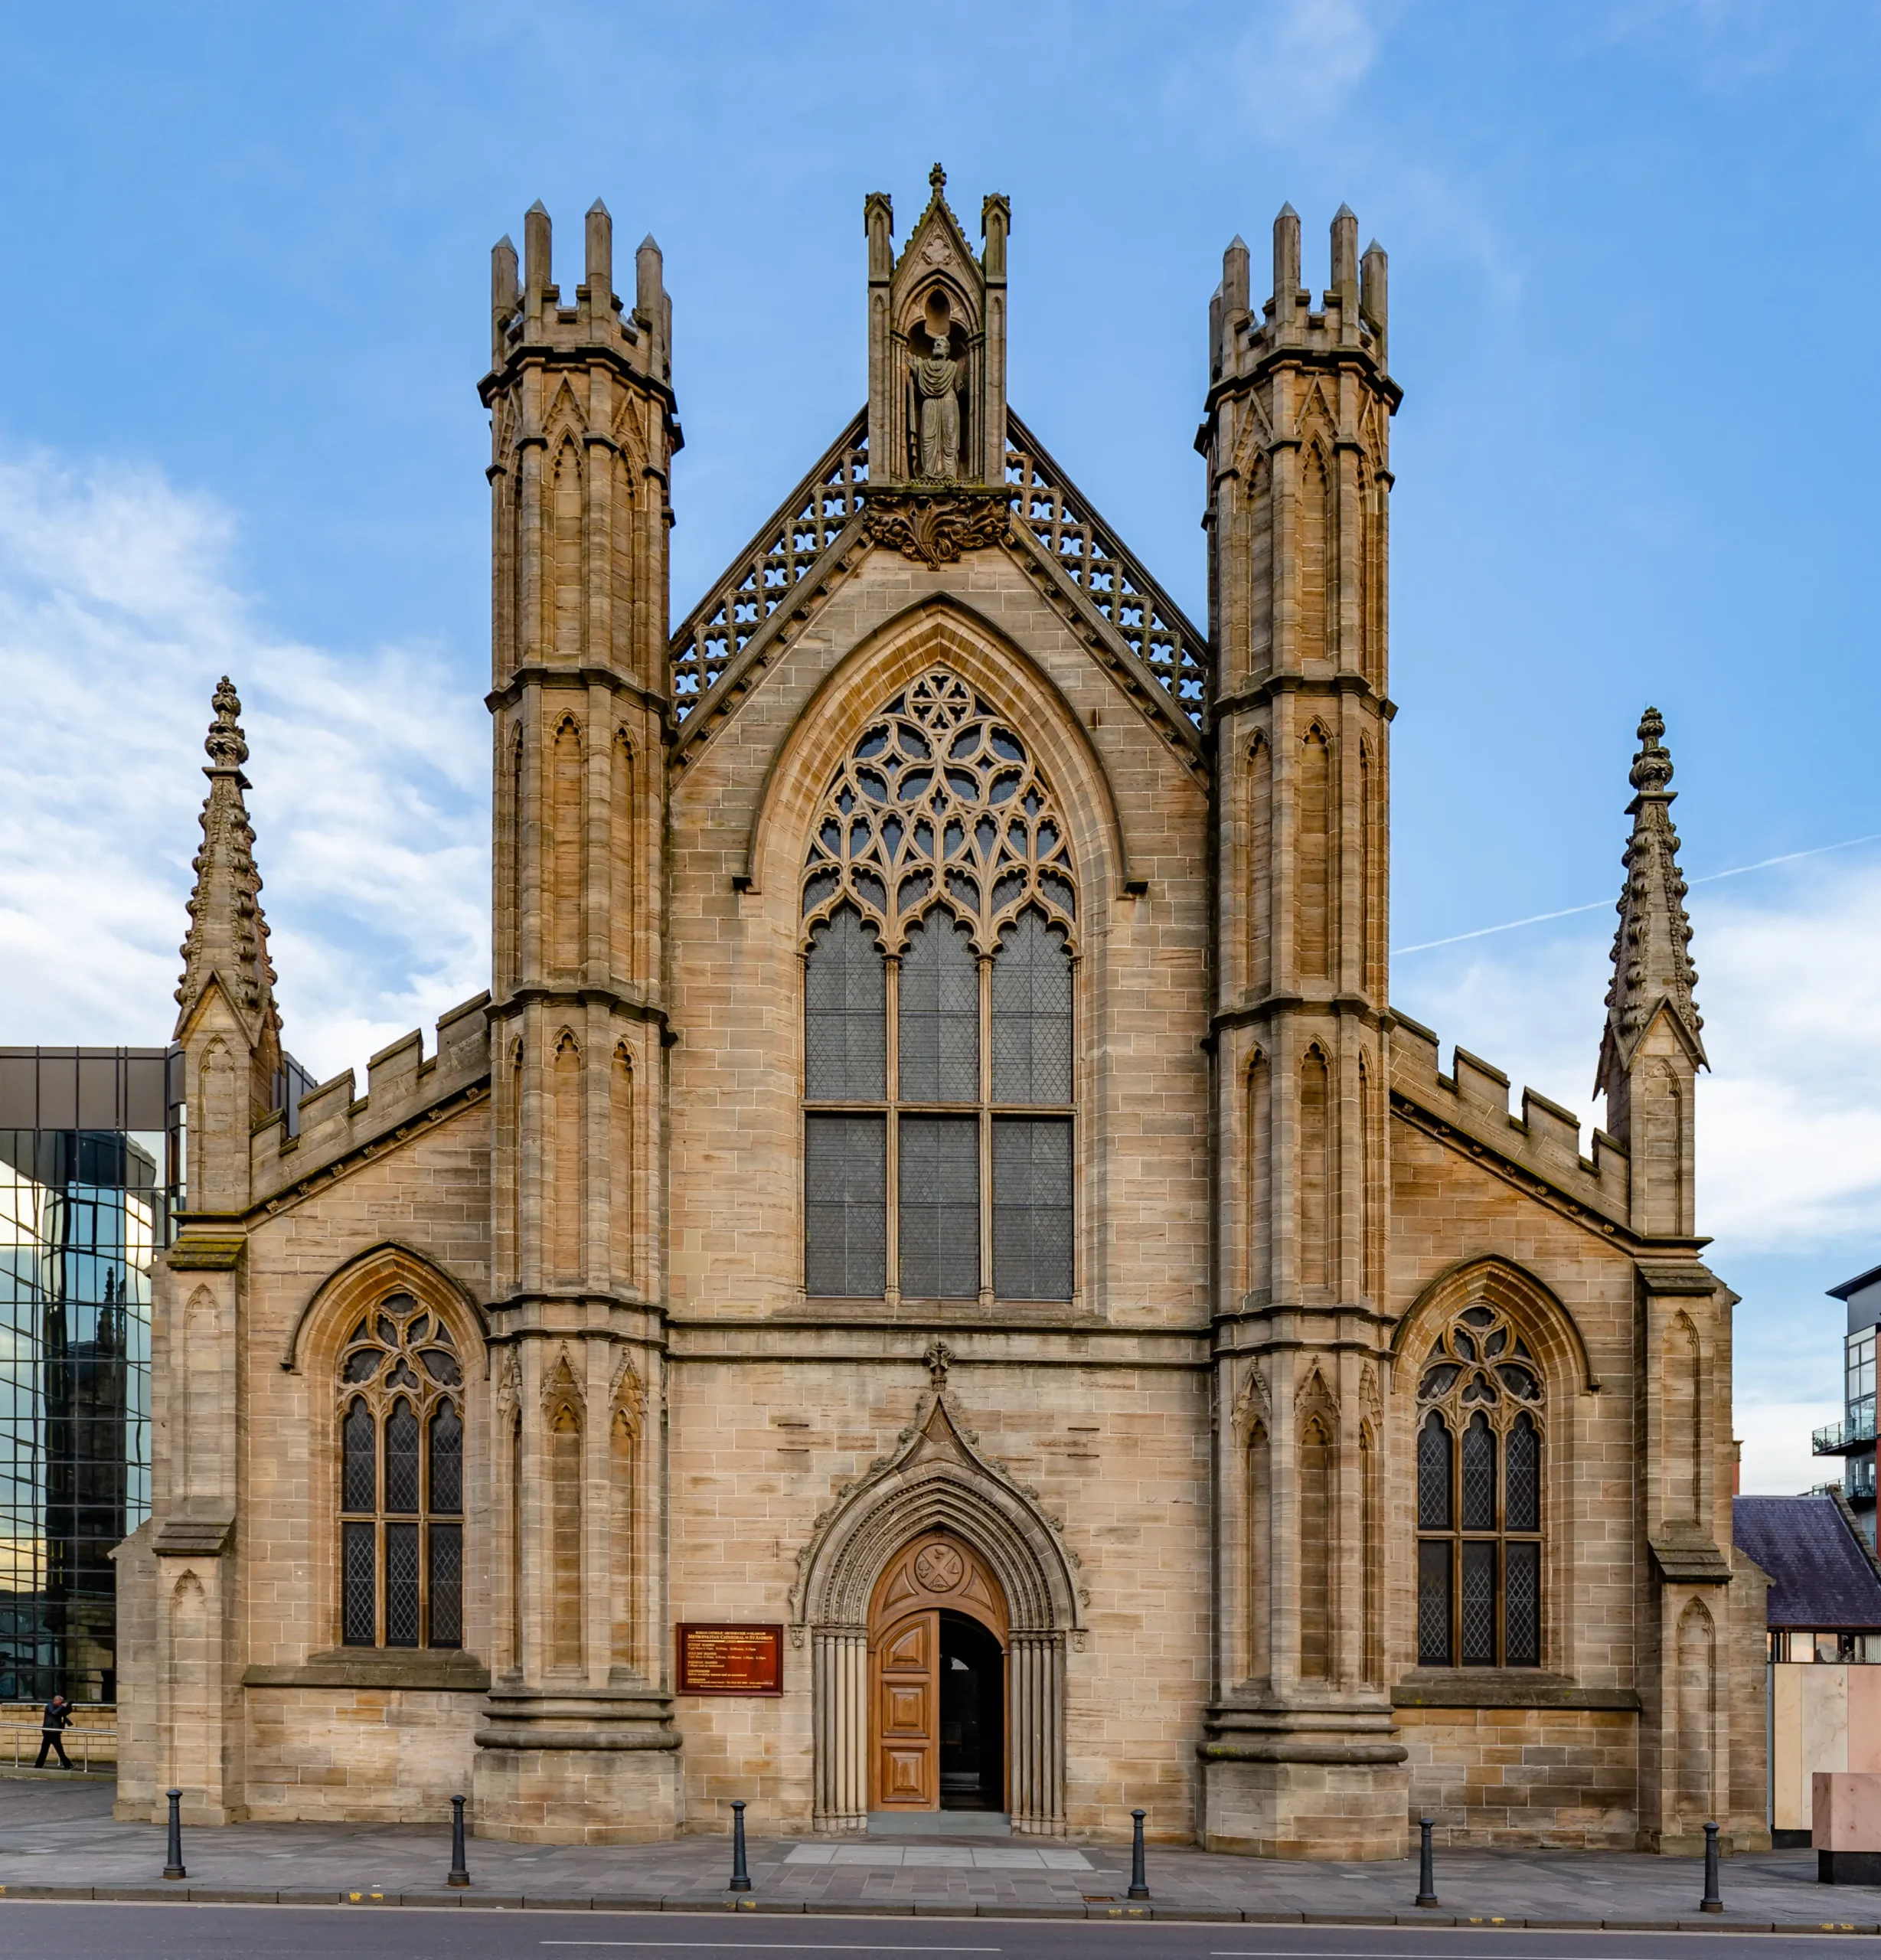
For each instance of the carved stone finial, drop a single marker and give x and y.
(939, 1356)
(1652, 963)
(224, 744)
(1652, 767)
(937, 180)
(228, 935)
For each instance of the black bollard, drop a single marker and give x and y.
(1711, 1902)
(460, 1872)
(1139, 1881)
(175, 1868)
(1426, 1864)
(741, 1879)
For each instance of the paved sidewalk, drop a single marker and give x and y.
(57, 1839)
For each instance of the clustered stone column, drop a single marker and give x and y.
(1300, 1750)
(582, 431)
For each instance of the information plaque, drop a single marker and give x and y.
(730, 1660)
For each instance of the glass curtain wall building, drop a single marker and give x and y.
(91, 1171)
(1852, 1438)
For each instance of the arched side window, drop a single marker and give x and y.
(1480, 1427)
(401, 1435)
(939, 903)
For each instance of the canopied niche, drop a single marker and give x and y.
(937, 346)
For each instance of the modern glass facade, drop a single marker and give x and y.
(91, 1170)
(1852, 1438)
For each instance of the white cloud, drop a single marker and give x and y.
(1776, 1462)
(116, 616)
(1296, 62)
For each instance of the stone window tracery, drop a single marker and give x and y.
(939, 905)
(401, 1445)
(1482, 1416)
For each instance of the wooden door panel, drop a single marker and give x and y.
(904, 1710)
(907, 1755)
(909, 1649)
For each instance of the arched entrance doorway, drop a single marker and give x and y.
(938, 1634)
(937, 1489)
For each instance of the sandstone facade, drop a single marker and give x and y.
(1305, 1442)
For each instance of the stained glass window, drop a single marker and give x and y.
(1479, 1510)
(940, 1207)
(939, 1043)
(845, 1205)
(1032, 1253)
(938, 901)
(401, 1465)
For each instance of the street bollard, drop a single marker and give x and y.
(1426, 1864)
(1139, 1882)
(460, 1872)
(175, 1868)
(740, 1878)
(1711, 1902)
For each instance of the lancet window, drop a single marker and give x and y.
(939, 907)
(1481, 1425)
(401, 1448)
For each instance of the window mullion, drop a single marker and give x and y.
(378, 1526)
(891, 1141)
(1455, 1430)
(425, 1413)
(985, 975)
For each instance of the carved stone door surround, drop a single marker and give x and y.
(937, 1487)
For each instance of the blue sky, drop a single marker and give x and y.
(1633, 276)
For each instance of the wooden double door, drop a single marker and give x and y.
(937, 1677)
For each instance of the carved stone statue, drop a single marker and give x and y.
(937, 382)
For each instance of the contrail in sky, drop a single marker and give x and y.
(1601, 905)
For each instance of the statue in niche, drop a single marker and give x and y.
(937, 380)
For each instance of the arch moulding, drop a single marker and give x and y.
(1500, 1282)
(939, 630)
(366, 1274)
(937, 1480)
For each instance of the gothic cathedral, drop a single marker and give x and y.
(935, 1280)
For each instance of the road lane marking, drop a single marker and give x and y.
(775, 1946)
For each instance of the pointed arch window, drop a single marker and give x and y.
(1481, 1412)
(401, 1478)
(940, 906)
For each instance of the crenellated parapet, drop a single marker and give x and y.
(406, 1090)
(1538, 1151)
(583, 430)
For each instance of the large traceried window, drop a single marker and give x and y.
(940, 906)
(401, 1437)
(1479, 1498)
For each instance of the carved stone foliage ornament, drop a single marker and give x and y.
(936, 526)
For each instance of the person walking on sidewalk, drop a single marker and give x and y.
(56, 1720)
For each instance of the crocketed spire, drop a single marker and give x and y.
(228, 937)
(1652, 966)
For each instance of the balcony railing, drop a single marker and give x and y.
(1838, 1439)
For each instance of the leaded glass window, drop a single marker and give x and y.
(1479, 1497)
(401, 1438)
(939, 907)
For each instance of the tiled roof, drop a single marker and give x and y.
(1823, 1577)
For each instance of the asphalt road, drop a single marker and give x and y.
(82, 1932)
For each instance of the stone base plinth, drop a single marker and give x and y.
(582, 1767)
(1283, 1784)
